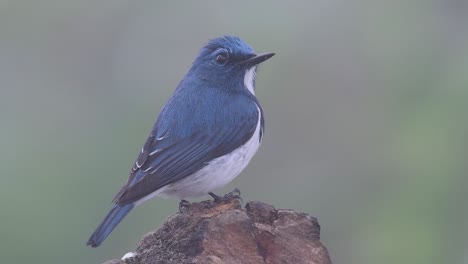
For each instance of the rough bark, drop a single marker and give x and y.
(223, 232)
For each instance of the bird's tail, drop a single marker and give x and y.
(113, 218)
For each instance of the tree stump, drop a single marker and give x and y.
(223, 233)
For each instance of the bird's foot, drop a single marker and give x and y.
(235, 194)
(183, 206)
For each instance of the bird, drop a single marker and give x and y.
(204, 137)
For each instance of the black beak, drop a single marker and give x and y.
(257, 59)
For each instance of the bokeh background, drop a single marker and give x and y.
(366, 119)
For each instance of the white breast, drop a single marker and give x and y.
(217, 174)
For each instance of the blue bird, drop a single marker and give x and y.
(204, 137)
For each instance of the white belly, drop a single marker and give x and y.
(217, 174)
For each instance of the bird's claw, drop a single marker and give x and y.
(183, 205)
(235, 194)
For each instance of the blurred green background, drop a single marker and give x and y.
(366, 119)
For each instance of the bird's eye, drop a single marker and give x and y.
(221, 58)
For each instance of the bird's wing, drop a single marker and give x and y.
(164, 160)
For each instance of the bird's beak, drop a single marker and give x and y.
(257, 59)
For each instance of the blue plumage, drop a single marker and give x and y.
(115, 215)
(205, 135)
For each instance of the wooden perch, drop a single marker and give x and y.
(224, 233)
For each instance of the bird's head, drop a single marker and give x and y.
(229, 63)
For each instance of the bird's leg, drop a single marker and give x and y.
(184, 204)
(216, 198)
(234, 194)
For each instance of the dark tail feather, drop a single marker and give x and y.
(113, 218)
